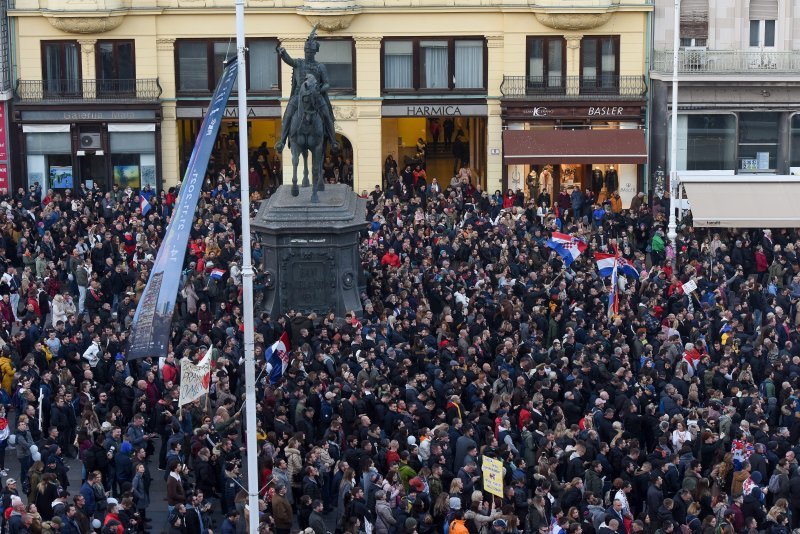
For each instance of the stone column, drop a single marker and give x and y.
(659, 119)
(368, 66)
(294, 47)
(573, 63)
(784, 142)
(165, 58)
(494, 126)
(88, 66)
(368, 160)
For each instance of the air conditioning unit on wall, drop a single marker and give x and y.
(91, 141)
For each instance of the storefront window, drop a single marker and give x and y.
(795, 154)
(49, 159)
(710, 141)
(133, 159)
(758, 141)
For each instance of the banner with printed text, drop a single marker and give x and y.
(151, 323)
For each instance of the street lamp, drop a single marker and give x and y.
(672, 228)
(247, 280)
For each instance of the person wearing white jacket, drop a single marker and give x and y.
(62, 308)
(92, 353)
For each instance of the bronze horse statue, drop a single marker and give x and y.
(307, 134)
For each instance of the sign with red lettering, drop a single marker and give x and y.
(3, 144)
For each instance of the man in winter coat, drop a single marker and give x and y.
(282, 511)
(23, 446)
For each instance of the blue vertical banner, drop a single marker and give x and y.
(150, 329)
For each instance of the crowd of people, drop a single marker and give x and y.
(678, 414)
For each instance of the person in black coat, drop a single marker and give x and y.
(311, 483)
(654, 496)
(97, 457)
(306, 425)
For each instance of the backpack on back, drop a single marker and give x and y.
(774, 483)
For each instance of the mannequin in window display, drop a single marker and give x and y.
(611, 179)
(597, 180)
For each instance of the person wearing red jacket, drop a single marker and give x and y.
(113, 515)
(762, 265)
(390, 259)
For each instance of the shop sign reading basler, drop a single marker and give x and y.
(590, 111)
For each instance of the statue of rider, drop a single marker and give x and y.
(302, 68)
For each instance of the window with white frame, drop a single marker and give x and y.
(434, 65)
(694, 23)
(763, 18)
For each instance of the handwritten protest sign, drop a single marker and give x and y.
(195, 379)
(493, 476)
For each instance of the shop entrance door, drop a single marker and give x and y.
(94, 170)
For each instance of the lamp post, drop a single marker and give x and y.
(672, 228)
(247, 280)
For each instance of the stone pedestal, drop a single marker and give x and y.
(311, 257)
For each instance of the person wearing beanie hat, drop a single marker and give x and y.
(455, 503)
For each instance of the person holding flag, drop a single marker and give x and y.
(144, 204)
(566, 246)
(277, 357)
(612, 265)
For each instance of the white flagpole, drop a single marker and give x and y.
(247, 280)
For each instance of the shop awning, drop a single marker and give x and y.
(573, 146)
(762, 201)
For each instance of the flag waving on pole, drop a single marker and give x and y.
(277, 356)
(144, 204)
(566, 246)
(606, 263)
(613, 295)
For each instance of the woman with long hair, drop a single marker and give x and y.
(722, 475)
(344, 489)
(781, 506)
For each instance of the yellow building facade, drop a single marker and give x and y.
(113, 91)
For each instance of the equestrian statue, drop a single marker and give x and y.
(308, 120)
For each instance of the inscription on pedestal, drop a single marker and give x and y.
(308, 290)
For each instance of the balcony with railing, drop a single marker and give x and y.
(88, 91)
(574, 87)
(701, 61)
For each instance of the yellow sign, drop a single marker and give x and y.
(493, 476)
